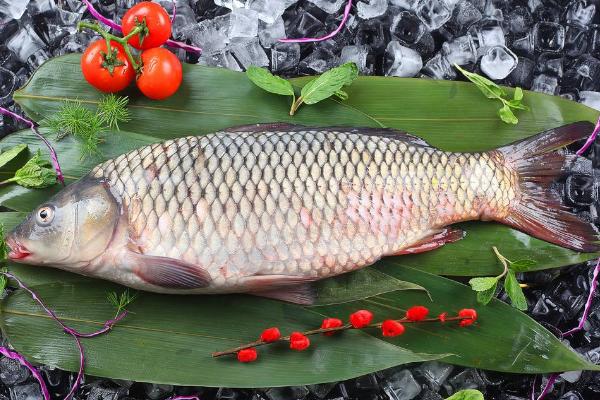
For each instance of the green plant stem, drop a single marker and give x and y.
(110, 37)
(504, 262)
(297, 102)
(13, 179)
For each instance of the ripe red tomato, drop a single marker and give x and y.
(96, 65)
(158, 25)
(161, 73)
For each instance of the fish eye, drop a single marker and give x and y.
(45, 215)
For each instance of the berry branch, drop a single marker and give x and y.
(361, 319)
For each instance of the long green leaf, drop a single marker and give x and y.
(450, 115)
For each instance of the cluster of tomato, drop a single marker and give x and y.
(157, 72)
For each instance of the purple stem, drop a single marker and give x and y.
(36, 374)
(329, 35)
(76, 335)
(546, 390)
(33, 128)
(112, 24)
(590, 139)
(174, 11)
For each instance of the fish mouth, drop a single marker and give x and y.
(16, 250)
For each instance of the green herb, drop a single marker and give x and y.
(486, 286)
(467, 394)
(493, 91)
(36, 173)
(87, 126)
(328, 84)
(112, 110)
(11, 153)
(121, 301)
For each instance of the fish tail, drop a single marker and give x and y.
(537, 162)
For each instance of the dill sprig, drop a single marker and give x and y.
(121, 301)
(112, 110)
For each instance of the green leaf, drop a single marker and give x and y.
(522, 265)
(329, 83)
(262, 78)
(485, 296)
(11, 153)
(449, 115)
(340, 94)
(490, 89)
(482, 284)
(507, 115)
(36, 173)
(514, 291)
(467, 394)
(518, 94)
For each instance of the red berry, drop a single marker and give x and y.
(361, 318)
(391, 328)
(442, 316)
(331, 323)
(417, 313)
(298, 341)
(270, 335)
(247, 355)
(469, 316)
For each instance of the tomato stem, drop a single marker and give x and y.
(110, 37)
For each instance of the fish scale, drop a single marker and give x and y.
(305, 203)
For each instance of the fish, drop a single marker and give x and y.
(268, 209)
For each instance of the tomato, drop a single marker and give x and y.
(161, 73)
(95, 65)
(158, 25)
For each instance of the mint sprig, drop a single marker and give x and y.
(466, 394)
(328, 84)
(486, 286)
(492, 91)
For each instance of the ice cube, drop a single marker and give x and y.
(329, 6)
(373, 34)
(372, 8)
(304, 24)
(318, 61)
(460, 51)
(321, 390)
(594, 41)
(551, 63)
(250, 52)
(438, 67)
(268, 10)
(270, 33)
(25, 42)
(522, 75)
(590, 99)
(222, 59)
(433, 13)
(468, 379)
(486, 35)
(29, 391)
(575, 40)
(11, 371)
(13, 8)
(286, 393)
(243, 23)
(498, 62)
(402, 386)
(466, 14)
(435, 373)
(571, 376)
(578, 12)
(155, 392)
(285, 56)
(407, 28)
(406, 4)
(37, 59)
(545, 84)
(231, 4)
(184, 20)
(401, 61)
(548, 36)
(357, 55)
(37, 7)
(572, 395)
(105, 391)
(212, 35)
(518, 21)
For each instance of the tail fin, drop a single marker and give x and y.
(539, 161)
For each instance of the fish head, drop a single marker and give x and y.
(68, 231)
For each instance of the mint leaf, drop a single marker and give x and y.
(485, 296)
(11, 153)
(329, 83)
(507, 115)
(467, 394)
(522, 265)
(341, 95)
(269, 82)
(518, 94)
(514, 291)
(481, 284)
(490, 89)
(36, 173)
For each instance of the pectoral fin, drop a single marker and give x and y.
(290, 288)
(437, 240)
(169, 272)
(300, 294)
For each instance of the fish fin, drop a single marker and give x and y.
(539, 161)
(266, 127)
(437, 240)
(389, 133)
(300, 294)
(169, 272)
